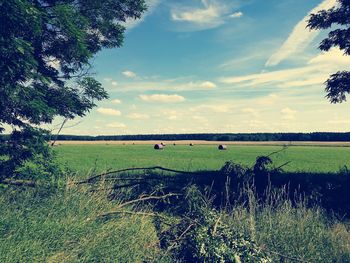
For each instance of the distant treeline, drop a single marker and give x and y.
(315, 136)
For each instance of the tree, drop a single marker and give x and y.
(45, 48)
(338, 85)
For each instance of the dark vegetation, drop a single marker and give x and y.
(315, 136)
(155, 214)
(329, 190)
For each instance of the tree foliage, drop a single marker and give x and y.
(337, 86)
(45, 49)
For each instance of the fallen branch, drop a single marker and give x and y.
(286, 163)
(141, 199)
(93, 178)
(18, 182)
(285, 147)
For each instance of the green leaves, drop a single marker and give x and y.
(93, 89)
(338, 84)
(205, 235)
(32, 91)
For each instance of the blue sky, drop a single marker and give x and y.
(200, 66)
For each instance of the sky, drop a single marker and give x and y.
(217, 66)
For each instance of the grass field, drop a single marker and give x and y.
(64, 224)
(82, 158)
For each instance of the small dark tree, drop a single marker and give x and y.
(338, 85)
(45, 48)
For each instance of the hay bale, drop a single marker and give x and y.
(158, 147)
(222, 147)
(191, 144)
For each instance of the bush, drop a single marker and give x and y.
(202, 235)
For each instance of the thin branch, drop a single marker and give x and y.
(286, 163)
(281, 150)
(18, 182)
(93, 178)
(59, 130)
(142, 199)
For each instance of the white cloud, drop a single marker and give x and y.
(129, 74)
(207, 15)
(138, 116)
(236, 15)
(216, 108)
(207, 85)
(111, 81)
(210, 15)
(339, 121)
(200, 119)
(151, 6)
(257, 124)
(172, 115)
(251, 111)
(116, 125)
(162, 98)
(116, 101)
(300, 37)
(195, 85)
(108, 111)
(315, 72)
(269, 100)
(278, 76)
(169, 85)
(288, 114)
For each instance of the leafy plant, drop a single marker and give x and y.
(202, 235)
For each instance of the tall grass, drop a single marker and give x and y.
(64, 228)
(293, 232)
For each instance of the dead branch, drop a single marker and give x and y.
(286, 163)
(18, 182)
(285, 147)
(146, 198)
(59, 130)
(93, 178)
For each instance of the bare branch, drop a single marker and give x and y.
(93, 178)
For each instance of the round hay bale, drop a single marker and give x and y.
(174, 144)
(222, 147)
(191, 144)
(158, 147)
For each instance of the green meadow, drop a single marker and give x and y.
(85, 158)
(64, 224)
